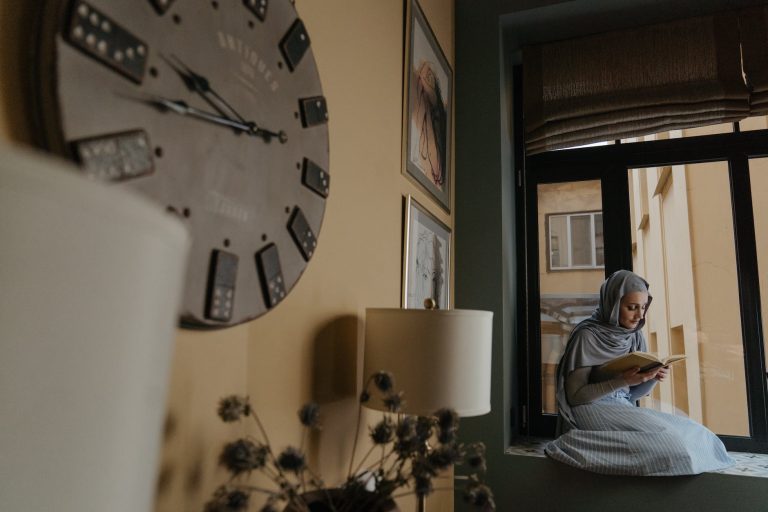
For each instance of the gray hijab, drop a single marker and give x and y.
(600, 337)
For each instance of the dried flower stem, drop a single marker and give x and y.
(357, 428)
(411, 493)
(267, 443)
(362, 461)
(254, 488)
(381, 461)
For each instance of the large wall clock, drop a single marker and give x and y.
(214, 109)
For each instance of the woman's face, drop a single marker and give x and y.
(632, 309)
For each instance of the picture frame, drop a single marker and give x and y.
(426, 258)
(428, 109)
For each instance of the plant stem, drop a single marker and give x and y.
(357, 428)
(261, 427)
(362, 461)
(255, 489)
(409, 493)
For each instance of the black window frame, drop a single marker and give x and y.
(610, 164)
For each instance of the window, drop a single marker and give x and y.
(683, 213)
(575, 240)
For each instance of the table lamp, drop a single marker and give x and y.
(90, 282)
(438, 358)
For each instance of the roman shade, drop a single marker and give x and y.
(754, 36)
(634, 82)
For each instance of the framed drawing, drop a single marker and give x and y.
(427, 111)
(426, 258)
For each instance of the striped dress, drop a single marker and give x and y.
(614, 437)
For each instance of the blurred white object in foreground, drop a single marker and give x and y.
(90, 282)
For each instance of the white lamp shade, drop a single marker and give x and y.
(90, 282)
(438, 358)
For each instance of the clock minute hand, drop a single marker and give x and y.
(197, 83)
(180, 107)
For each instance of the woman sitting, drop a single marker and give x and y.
(600, 427)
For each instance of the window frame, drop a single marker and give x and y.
(610, 163)
(592, 240)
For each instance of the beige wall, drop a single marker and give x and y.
(308, 347)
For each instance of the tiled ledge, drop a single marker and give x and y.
(747, 464)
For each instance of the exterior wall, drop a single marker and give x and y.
(717, 301)
(309, 346)
(685, 250)
(566, 198)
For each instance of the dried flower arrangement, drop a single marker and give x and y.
(408, 463)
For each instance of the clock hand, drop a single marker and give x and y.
(180, 107)
(199, 84)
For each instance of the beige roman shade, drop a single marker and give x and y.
(634, 82)
(754, 35)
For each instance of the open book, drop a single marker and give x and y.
(644, 360)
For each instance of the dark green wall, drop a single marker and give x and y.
(485, 279)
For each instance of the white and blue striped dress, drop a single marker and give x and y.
(614, 437)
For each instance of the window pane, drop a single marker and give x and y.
(599, 249)
(686, 251)
(753, 123)
(758, 176)
(558, 238)
(567, 296)
(710, 129)
(581, 240)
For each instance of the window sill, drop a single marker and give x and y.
(747, 464)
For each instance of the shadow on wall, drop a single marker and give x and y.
(334, 375)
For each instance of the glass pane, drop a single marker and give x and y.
(753, 123)
(599, 249)
(558, 238)
(581, 240)
(758, 176)
(567, 296)
(710, 129)
(686, 251)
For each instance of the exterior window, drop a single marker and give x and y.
(575, 240)
(694, 227)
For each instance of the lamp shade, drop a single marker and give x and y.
(438, 358)
(90, 283)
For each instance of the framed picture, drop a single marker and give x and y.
(426, 258)
(428, 109)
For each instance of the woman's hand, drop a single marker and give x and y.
(634, 376)
(663, 373)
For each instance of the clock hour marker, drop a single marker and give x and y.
(271, 275)
(302, 234)
(93, 33)
(116, 156)
(161, 6)
(314, 111)
(257, 7)
(315, 178)
(295, 44)
(220, 298)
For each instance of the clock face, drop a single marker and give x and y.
(214, 110)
